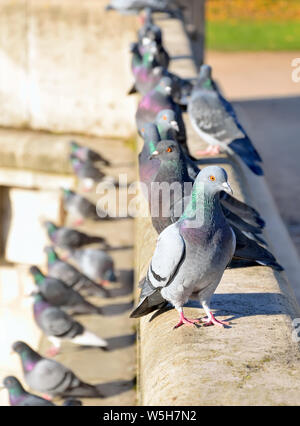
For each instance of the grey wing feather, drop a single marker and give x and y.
(209, 115)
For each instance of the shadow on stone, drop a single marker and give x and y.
(126, 280)
(238, 305)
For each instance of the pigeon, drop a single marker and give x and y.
(51, 377)
(86, 154)
(168, 128)
(191, 255)
(148, 72)
(58, 293)
(150, 33)
(172, 171)
(86, 172)
(214, 119)
(81, 208)
(19, 397)
(58, 326)
(95, 264)
(156, 100)
(67, 273)
(68, 238)
(135, 6)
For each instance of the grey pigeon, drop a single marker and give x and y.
(51, 377)
(81, 208)
(71, 276)
(86, 154)
(135, 6)
(168, 128)
(166, 209)
(68, 238)
(191, 255)
(86, 172)
(58, 293)
(149, 33)
(19, 397)
(214, 119)
(95, 264)
(158, 99)
(58, 326)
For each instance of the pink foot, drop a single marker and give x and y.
(78, 222)
(104, 283)
(211, 150)
(184, 320)
(53, 351)
(211, 320)
(46, 396)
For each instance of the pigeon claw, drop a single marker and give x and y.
(211, 320)
(211, 150)
(184, 320)
(53, 351)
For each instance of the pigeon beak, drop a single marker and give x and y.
(175, 126)
(154, 154)
(227, 188)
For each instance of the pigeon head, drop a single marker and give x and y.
(74, 146)
(50, 226)
(20, 347)
(165, 86)
(37, 274)
(213, 179)
(167, 150)
(11, 382)
(205, 71)
(166, 120)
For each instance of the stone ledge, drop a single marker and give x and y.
(212, 366)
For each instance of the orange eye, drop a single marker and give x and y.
(143, 130)
(164, 117)
(212, 178)
(169, 149)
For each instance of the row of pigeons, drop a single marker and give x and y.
(205, 229)
(62, 292)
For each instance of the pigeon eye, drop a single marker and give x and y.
(212, 178)
(169, 149)
(164, 117)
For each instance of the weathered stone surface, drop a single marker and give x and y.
(58, 64)
(255, 361)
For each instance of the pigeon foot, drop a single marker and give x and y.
(211, 320)
(184, 320)
(211, 150)
(53, 351)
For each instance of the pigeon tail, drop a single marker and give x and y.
(152, 300)
(246, 151)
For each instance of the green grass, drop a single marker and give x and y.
(253, 36)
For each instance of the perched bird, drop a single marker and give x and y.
(167, 207)
(51, 377)
(214, 119)
(135, 6)
(58, 326)
(58, 293)
(68, 238)
(192, 254)
(81, 208)
(19, 397)
(86, 154)
(158, 99)
(95, 264)
(166, 129)
(149, 33)
(86, 172)
(67, 273)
